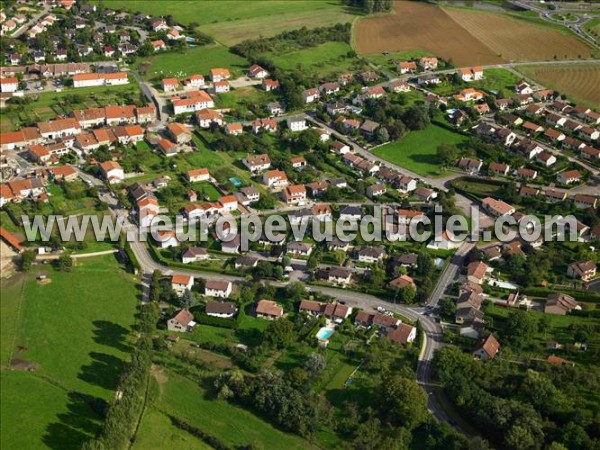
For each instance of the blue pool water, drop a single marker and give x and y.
(235, 181)
(324, 333)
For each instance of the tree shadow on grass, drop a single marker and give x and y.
(104, 371)
(250, 336)
(80, 423)
(111, 334)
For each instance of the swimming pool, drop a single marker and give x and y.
(324, 333)
(235, 181)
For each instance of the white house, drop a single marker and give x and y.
(296, 123)
(194, 254)
(112, 171)
(181, 283)
(9, 84)
(218, 288)
(224, 310)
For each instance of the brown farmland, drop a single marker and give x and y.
(580, 82)
(518, 40)
(466, 37)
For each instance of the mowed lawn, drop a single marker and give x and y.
(235, 426)
(75, 332)
(231, 22)
(322, 59)
(197, 60)
(417, 150)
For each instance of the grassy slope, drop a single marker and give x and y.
(231, 22)
(156, 432)
(77, 330)
(236, 426)
(416, 151)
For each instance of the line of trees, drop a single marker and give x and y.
(124, 413)
(372, 6)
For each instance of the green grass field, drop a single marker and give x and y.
(417, 150)
(198, 60)
(157, 431)
(75, 333)
(593, 26)
(189, 402)
(231, 22)
(323, 59)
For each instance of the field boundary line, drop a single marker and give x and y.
(18, 320)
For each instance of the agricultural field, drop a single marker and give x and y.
(579, 82)
(519, 40)
(418, 25)
(417, 150)
(477, 37)
(66, 342)
(231, 22)
(197, 60)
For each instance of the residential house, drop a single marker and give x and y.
(407, 66)
(207, 117)
(404, 334)
(219, 74)
(298, 162)
(471, 166)
(497, 208)
(296, 123)
(425, 194)
(181, 283)
(376, 190)
(268, 309)
(194, 254)
(112, 171)
(275, 179)
(311, 95)
(586, 270)
(585, 201)
(218, 288)
(403, 282)
(179, 132)
(569, 176)
(299, 249)
(545, 158)
(182, 321)
(469, 74)
(476, 272)
(224, 310)
(560, 304)
(428, 63)
(370, 255)
(499, 168)
(257, 72)
(234, 129)
(487, 349)
(197, 175)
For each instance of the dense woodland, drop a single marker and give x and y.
(523, 406)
